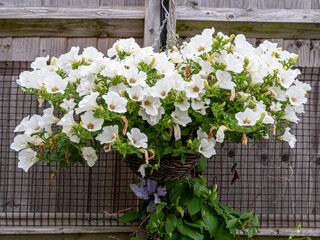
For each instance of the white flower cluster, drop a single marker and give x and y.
(149, 89)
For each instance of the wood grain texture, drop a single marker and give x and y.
(5, 48)
(25, 49)
(122, 2)
(301, 48)
(248, 15)
(151, 22)
(52, 46)
(71, 28)
(71, 13)
(190, 28)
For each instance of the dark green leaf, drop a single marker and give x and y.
(175, 236)
(246, 215)
(186, 231)
(165, 135)
(236, 213)
(196, 224)
(210, 220)
(131, 216)
(251, 232)
(178, 191)
(199, 188)
(223, 233)
(134, 238)
(255, 222)
(194, 203)
(159, 208)
(183, 159)
(225, 207)
(232, 223)
(171, 223)
(201, 164)
(180, 210)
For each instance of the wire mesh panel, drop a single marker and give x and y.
(280, 184)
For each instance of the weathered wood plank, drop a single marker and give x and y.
(52, 46)
(300, 47)
(314, 53)
(248, 15)
(71, 13)
(189, 28)
(122, 2)
(20, 49)
(71, 28)
(151, 22)
(5, 48)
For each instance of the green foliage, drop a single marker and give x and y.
(192, 211)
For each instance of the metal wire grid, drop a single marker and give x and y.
(278, 183)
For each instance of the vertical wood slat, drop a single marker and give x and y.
(24, 49)
(151, 22)
(301, 48)
(5, 48)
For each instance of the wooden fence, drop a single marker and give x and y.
(33, 28)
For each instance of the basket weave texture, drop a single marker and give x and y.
(170, 169)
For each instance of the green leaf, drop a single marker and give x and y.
(199, 188)
(175, 236)
(201, 164)
(223, 233)
(210, 220)
(236, 213)
(183, 159)
(186, 231)
(232, 223)
(194, 203)
(159, 208)
(180, 210)
(134, 238)
(255, 222)
(251, 232)
(165, 135)
(171, 223)
(246, 215)
(225, 207)
(178, 191)
(197, 224)
(129, 217)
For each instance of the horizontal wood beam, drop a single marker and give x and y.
(189, 28)
(110, 22)
(248, 15)
(255, 23)
(72, 13)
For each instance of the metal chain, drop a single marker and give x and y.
(171, 31)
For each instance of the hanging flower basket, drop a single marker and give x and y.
(170, 169)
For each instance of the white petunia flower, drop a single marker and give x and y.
(48, 118)
(90, 155)
(200, 106)
(281, 95)
(181, 117)
(88, 103)
(108, 135)
(234, 63)
(220, 133)
(296, 95)
(32, 79)
(184, 105)
(224, 80)
(195, 87)
(275, 107)
(54, 83)
(247, 118)
(137, 138)
(33, 125)
(136, 93)
(123, 45)
(264, 115)
(68, 105)
(206, 148)
(151, 105)
(134, 77)
(286, 77)
(73, 76)
(71, 57)
(206, 68)
(21, 127)
(40, 62)
(290, 114)
(151, 119)
(91, 123)
(161, 89)
(115, 102)
(91, 54)
(112, 69)
(302, 85)
(27, 158)
(288, 137)
(67, 122)
(87, 85)
(20, 142)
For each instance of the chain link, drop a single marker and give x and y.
(171, 31)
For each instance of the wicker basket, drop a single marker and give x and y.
(170, 167)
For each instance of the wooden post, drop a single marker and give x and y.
(172, 30)
(152, 23)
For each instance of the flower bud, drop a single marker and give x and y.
(152, 62)
(175, 49)
(294, 59)
(231, 38)
(117, 48)
(209, 58)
